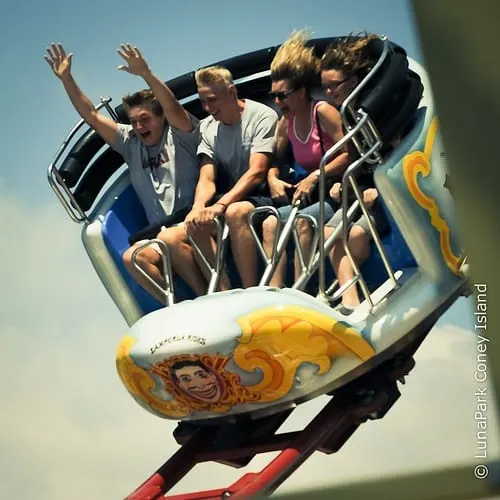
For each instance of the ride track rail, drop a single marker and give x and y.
(368, 397)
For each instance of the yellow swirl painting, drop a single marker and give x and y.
(419, 162)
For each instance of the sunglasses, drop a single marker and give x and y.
(281, 95)
(334, 84)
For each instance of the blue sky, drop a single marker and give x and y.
(65, 413)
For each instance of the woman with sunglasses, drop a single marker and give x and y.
(343, 66)
(310, 128)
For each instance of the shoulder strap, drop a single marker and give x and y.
(319, 129)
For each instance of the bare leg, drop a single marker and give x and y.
(269, 229)
(359, 244)
(242, 242)
(183, 261)
(149, 260)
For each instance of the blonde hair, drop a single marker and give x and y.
(213, 76)
(350, 55)
(295, 61)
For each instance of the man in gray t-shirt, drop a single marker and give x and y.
(237, 142)
(163, 175)
(159, 147)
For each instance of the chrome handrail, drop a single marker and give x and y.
(56, 182)
(286, 229)
(322, 177)
(168, 291)
(251, 224)
(314, 242)
(304, 278)
(280, 243)
(215, 271)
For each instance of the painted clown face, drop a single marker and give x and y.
(198, 382)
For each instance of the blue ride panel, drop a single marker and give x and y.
(397, 252)
(126, 217)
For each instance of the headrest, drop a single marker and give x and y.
(393, 93)
(385, 83)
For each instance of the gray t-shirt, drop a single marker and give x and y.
(164, 176)
(230, 146)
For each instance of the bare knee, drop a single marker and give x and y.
(173, 236)
(144, 257)
(237, 213)
(359, 241)
(269, 227)
(358, 237)
(303, 228)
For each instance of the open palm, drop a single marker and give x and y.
(136, 64)
(58, 60)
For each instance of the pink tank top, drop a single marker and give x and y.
(308, 153)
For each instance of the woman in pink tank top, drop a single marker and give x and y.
(309, 150)
(310, 128)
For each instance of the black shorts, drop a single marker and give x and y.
(256, 200)
(259, 201)
(152, 230)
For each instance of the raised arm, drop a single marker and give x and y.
(174, 112)
(61, 66)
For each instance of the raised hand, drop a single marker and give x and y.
(58, 60)
(136, 64)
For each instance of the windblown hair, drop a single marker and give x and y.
(142, 98)
(350, 55)
(213, 76)
(296, 62)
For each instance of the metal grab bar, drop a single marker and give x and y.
(56, 182)
(168, 291)
(304, 278)
(314, 243)
(284, 232)
(215, 271)
(286, 229)
(351, 170)
(251, 224)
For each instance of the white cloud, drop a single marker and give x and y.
(70, 430)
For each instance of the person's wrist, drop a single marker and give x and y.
(146, 75)
(315, 175)
(223, 205)
(65, 77)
